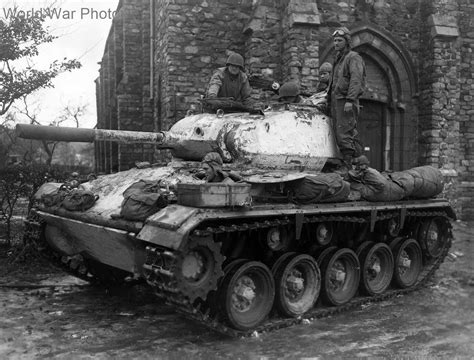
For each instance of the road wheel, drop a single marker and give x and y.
(408, 263)
(247, 295)
(362, 247)
(297, 282)
(341, 275)
(432, 235)
(283, 258)
(326, 253)
(377, 269)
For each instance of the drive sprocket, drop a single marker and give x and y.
(198, 268)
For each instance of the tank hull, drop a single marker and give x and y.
(162, 251)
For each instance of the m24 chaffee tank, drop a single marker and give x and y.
(242, 257)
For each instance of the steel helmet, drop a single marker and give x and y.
(289, 89)
(235, 59)
(325, 67)
(361, 160)
(213, 159)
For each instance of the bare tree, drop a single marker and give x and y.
(73, 112)
(20, 37)
(70, 113)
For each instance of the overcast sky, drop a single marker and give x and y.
(82, 29)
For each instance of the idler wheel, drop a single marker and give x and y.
(340, 275)
(408, 263)
(433, 234)
(297, 282)
(246, 295)
(377, 269)
(198, 268)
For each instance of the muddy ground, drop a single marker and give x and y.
(46, 314)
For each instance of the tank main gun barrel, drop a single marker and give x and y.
(70, 134)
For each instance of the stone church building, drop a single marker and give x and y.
(418, 108)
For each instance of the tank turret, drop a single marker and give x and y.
(294, 138)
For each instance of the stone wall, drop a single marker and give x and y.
(465, 109)
(193, 38)
(124, 97)
(157, 67)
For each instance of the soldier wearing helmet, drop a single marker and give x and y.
(231, 81)
(346, 86)
(74, 181)
(289, 93)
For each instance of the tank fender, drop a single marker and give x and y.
(170, 226)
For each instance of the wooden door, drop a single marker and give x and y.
(370, 127)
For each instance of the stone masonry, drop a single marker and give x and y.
(160, 55)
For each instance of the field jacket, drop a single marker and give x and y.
(348, 77)
(224, 84)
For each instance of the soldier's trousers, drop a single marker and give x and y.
(345, 127)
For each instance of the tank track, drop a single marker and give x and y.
(158, 274)
(73, 265)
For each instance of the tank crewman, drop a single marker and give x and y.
(289, 93)
(325, 71)
(231, 81)
(371, 184)
(211, 170)
(346, 86)
(211, 165)
(74, 182)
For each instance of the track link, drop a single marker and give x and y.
(159, 263)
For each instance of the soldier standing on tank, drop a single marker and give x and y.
(231, 81)
(346, 86)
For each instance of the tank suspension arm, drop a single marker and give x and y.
(70, 134)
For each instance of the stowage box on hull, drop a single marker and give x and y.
(214, 194)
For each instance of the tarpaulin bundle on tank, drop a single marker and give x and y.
(319, 188)
(79, 200)
(51, 194)
(142, 199)
(374, 186)
(420, 182)
(55, 194)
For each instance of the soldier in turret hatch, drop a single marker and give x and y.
(231, 81)
(211, 170)
(289, 93)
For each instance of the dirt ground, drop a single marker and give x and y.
(46, 314)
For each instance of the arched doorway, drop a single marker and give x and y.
(388, 118)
